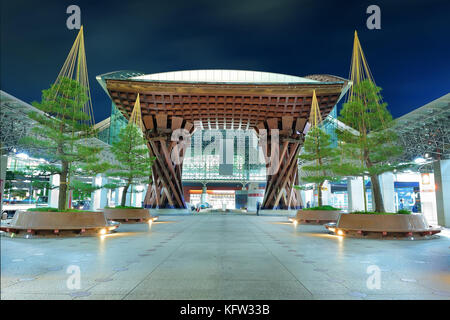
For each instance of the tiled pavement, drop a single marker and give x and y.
(224, 257)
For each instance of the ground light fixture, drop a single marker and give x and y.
(151, 220)
(113, 225)
(332, 228)
(294, 221)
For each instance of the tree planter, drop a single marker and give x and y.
(128, 215)
(383, 226)
(316, 217)
(41, 223)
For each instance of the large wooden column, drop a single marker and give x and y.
(280, 192)
(166, 190)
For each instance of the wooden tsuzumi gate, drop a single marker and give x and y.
(276, 106)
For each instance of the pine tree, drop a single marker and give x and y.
(81, 189)
(318, 150)
(372, 150)
(134, 163)
(61, 134)
(38, 180)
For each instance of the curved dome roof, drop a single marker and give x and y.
(226, 76)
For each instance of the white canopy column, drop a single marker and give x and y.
(355, 194)
(3, 164)
(388, 191)
(326, 193)
(99, 198)
(53, 194)
(442, 180)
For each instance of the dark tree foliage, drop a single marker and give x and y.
(60, 135)
(134, 163)
(373, 149)
(322, 159)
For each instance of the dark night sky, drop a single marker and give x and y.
(409, 56)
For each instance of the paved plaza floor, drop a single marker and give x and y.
(224, 257)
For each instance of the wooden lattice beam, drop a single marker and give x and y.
(168, 106)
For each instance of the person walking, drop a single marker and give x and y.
(258, 205)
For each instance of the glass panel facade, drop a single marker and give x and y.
(203, 158)
(117, 122)
(329, 125)
(103, 135)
